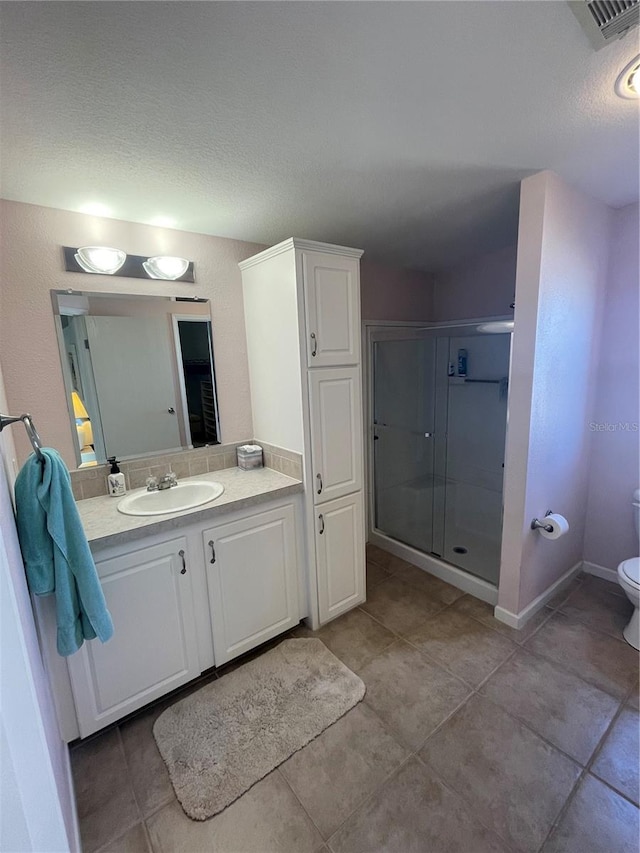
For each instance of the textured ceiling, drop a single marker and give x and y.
(400, 128)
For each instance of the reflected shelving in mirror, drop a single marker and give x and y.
(138, 373)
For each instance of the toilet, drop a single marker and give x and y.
(629, 578)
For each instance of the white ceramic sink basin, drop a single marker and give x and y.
(177, 498)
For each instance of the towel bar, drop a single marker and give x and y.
(32, 432)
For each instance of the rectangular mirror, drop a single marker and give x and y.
(138, 372)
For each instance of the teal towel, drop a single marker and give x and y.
(56, 553)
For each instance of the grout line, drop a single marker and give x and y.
(372, 794)
(477, 815)
(277, 770)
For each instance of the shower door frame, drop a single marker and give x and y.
(439, 568)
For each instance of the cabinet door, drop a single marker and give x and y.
(154, 647)
(332, 308)
(335, 409)
(252, 576)
(340, 556)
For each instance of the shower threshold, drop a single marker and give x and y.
(438, 567)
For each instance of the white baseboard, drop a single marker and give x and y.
(518, 620)
(600, 572)
(456, 577)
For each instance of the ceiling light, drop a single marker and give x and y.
(100, 259)
(496, 328)
(95, 208)
(628, 82)
(165, 267)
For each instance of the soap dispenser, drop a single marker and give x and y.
(115, 480)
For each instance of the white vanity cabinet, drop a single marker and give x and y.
(332, 308)
(177, 614)
(252, 578)
(154, 648)
(335, 404)
(339, 542)
(302, 315)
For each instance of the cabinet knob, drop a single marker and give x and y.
(183, 570)
(171, 410)
(319, 479)
(314, 344)
(321, 520)
(213, 551)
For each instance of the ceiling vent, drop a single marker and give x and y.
(605, 21)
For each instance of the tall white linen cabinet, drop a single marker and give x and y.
(302, 315)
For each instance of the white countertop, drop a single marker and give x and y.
(105, 526)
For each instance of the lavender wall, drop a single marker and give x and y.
(561, 276)
(610, 535)
(484, 287)
(31, 265)
(390, 293)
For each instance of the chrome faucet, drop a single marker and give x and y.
(165, 482)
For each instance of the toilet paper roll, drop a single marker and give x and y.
(559, 524)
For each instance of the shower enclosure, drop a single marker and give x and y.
(438, 405)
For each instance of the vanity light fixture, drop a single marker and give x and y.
(165, 267)
(497, 327)
(100, 259)
(628, 82)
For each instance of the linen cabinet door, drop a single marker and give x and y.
(340, 556)
(332, 309)
(252, 576)
(335, 408)
(154, 646)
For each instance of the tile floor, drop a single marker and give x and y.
(472, 737)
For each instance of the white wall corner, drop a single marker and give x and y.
(519, 620)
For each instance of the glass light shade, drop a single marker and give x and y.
(165, 267)
(497, 327)
(100, 259)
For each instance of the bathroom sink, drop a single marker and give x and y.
(177, 498)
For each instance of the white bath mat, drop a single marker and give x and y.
(224, 738)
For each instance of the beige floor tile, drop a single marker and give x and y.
(338, 770)
(561, 596)
(483, 612)
(617, 761)
(601, 585)
(597, 821)
(515, 780)
(104, 796)
(563, 708)
(414, 813)
(354, 638)
(148, 771)
(600, 610)
(383, 558)
(610, 664)
(400, 607)
(463, 645)
(267, 819)
(433, 586)
(409, 693)
(133, 841)
(375, 574)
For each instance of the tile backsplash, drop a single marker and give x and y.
(92, 482)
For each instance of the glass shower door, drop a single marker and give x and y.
(403, 425)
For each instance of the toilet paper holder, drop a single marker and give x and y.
(536, 524)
